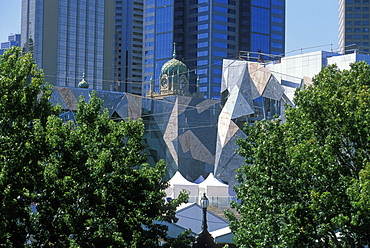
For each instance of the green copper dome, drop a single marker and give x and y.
(83, 83)
(174, 67)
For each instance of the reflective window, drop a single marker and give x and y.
(221, 36)
(276, 45)
(202, 53)
(276, 28)
(220, 9)
(163, 22)
(277, 11)
(202, 71)
(149, 18)
(220, 18)
(149, 61)
(217, 71)
(203, 44)
(163, 46)
(262, 3)
(203, 26)
(149, 10)
(277, 19)
(260, 42)
(149, 36)
(221, 27)
(202, 62)
(277, 2)
(277, 37)
(160, 3)
(219, 44)
(149, 27)
(220, 54)
(203, 9)
(261, 20)
(203, 35)
(203, 18)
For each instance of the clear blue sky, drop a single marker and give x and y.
(309, 23)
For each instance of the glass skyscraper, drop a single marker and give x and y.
(69, 38)
(354, 26)
(206, 32)
(128, 45)
(13, 40)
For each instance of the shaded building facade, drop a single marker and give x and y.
(354, 26)
(128, 39)
(69, 38)
(206, 32)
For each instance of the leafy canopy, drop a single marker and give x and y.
(86, 178)
(305, 182)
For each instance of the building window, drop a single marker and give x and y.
(221, 27)
(277, 2)
(277, 19)
(203, 18)
(201, 71)
(220, 9)
(203, 35)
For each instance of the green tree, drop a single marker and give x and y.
(86, 178)
(306, 181)
(24, 99)
(98, 192)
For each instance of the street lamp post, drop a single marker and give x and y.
(205, 239)
(204, 203)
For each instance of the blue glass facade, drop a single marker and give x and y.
(13, 40)
(69, 38)
(205, 33)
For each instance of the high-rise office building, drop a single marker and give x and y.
(354, 26)
(69, 38)
(128, 45)
(207, 31)
(13, 40)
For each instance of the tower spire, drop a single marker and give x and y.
(174, 51)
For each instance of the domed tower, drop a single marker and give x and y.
(83, 83)
(173, 79)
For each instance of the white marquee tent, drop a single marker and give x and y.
(213, 187)
(178, 183)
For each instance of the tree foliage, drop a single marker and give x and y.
(87, 178)
(24, 99)
(306, 181)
